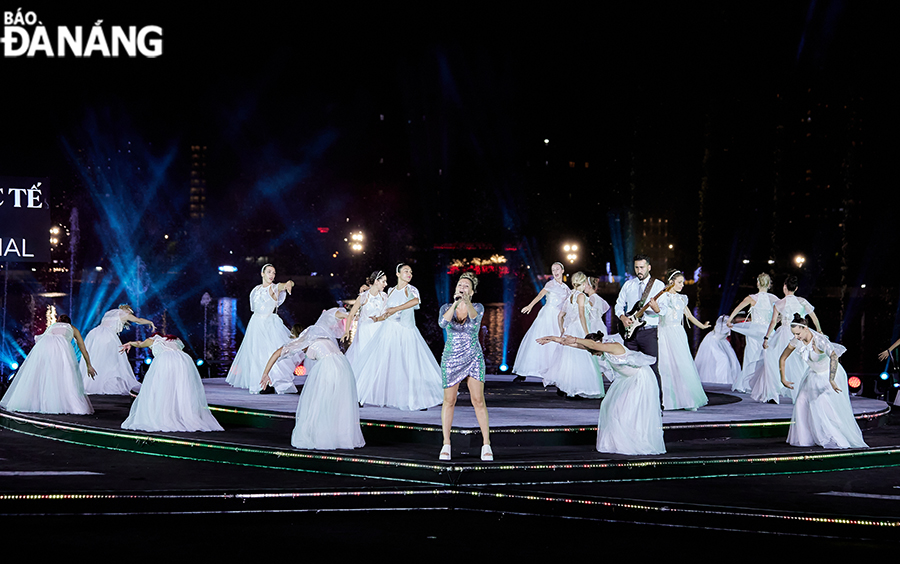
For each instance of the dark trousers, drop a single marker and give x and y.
(646, 340)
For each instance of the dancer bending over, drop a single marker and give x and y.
(48, 380)
(822, 412)
(630, 419)
(327, 413)
(114, 374)
(172, 396)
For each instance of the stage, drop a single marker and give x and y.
(727, 465)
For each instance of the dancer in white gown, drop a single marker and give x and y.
(172, 396)
(48, 380)
(328, 411)
(369, 304)
(822, 412)
(596, 323)
(630, 419)
(765, 384)
(753, 329)
(114, 374)
(265, 333)
(532, 359)
(716, 361)
(681, 387)
(573, 371)
(396, 369)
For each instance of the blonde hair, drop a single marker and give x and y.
(470, 276)
(579, 279)
(764, 281)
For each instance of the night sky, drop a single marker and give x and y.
(757, 130)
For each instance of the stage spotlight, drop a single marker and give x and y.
(884, 376)
(227, 268)
(504, 367)
(14, 365)
(148, 360)
(300, 370)
(799, 259)
(854, 382)
(199, 362)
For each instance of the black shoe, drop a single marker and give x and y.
(560, 393)
(519, 379)
(268, 390)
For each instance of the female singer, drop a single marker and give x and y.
(463, 360)
(265, 333)
(114, 375)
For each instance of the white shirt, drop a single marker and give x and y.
(631, 293)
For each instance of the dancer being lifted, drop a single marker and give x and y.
(265, 333)
(533, 359)
(463, 359)
(396, 369)
(114, 374)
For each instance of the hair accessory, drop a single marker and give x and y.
(674, 274)
(263, 269)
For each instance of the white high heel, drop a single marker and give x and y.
(445, 452)
(487, 454)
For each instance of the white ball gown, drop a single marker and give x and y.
(574, 371)
(396, 369)
(328, 410)
(172, 396)
(821, 415)
(765, 384)
(630, 418)
(265, 334)
(366, 328)
(533, 359)
(114, 374)
(753, 332)
(48, 380)
(596, 323)
(681, 387)
(716, 361)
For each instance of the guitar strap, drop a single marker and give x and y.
(646, 293)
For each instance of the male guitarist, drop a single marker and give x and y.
(640, 291)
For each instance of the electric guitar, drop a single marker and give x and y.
(637, 313)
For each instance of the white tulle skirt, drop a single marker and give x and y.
(114, 374)
(534, 359)
(265, 334)
(765, 384)
(678, 375)
(397, 369)
(716, 361)
(630, 419)
(753, 353)
(574, 371)
(822, 416)
(365, 332)
(328, 412)
(171, 398)
(48, 381)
